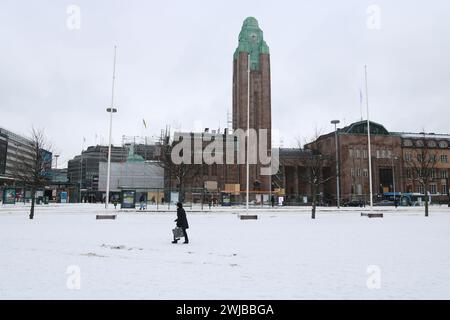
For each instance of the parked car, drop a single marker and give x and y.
(384, 203)
(353, 203)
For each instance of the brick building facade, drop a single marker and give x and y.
(392, 155)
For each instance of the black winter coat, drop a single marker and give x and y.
(181, 218)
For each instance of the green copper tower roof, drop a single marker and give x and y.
(132, 157)
(251, 40)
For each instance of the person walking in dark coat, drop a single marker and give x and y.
(142, 202)
(182, 222)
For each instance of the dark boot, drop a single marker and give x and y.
(186, 239)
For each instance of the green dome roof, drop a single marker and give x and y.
(251, 40)
(251, 22)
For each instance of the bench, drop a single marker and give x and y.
(375, 215)
(106, 217)
(248, 217)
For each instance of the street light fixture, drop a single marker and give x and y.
(336, 122)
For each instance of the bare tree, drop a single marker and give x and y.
(178, 172)
(422, 165)
(315, 173)
(31, 170)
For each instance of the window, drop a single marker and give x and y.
(444, 174)
(419, 157)
(358, 153)
(366, 173)
(432, 188)
(443, 144)
(433, 173)
(420, 189)
(378, 154)
(407, 143)
(419, 143)
(365, 154)
(358, 172)
(383, 154)
(408, 173)
(444, 158)
(444, 189)
(358, 189)
(350, 152)
(408, 156)
(352, 172)
(432, 144)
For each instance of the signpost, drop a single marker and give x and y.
(128, 199)
(63, 197)
(9, 196)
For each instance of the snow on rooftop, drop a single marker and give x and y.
(426, 136)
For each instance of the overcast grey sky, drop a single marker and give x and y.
(174, 65)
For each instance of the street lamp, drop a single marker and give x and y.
(335, 122)
(81, 174)
(111, 110)
(248, 132)
(393, 176)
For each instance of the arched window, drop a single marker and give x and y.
(407, 143)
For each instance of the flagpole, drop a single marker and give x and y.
(361, 103)
(368, 140)
(248, 128)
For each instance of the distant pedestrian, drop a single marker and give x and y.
(115, 203)
(142, 202)
(182, 222)
(272, 200)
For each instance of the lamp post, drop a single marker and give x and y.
(81, 174)
(248, 132)
(17, 162)
(111, 110)
(335, 122)
(393, 177)
(368, 142)
(448, 193)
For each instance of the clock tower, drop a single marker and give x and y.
(253, 50)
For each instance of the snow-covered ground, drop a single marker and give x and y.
(282, 255)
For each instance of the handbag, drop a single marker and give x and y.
(178, 232)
